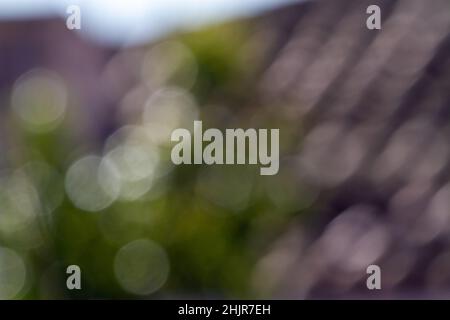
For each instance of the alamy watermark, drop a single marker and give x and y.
(373, 281)
(73, 21)
(248, 146)
(74, 278)
(373, 22)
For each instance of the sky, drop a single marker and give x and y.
(132, 21)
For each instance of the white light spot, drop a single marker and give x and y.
(166, 110)
(12, 274)
(141, 267)
(92, 187)
(39, 99)
(135, 166)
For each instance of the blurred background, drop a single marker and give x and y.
(85, 170)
